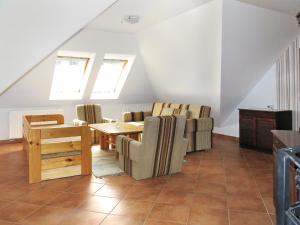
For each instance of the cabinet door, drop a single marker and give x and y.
(264, 137)
(247, 131)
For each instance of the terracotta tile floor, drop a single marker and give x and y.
(227, 185)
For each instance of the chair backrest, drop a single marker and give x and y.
(195, 111)
(91, 113)
(162, 140)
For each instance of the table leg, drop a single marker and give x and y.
(113, 141)
(104, 141)
(134, 136)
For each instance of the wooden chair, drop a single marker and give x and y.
(55, 150)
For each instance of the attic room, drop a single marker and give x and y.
(161, 112)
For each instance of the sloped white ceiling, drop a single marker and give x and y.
(33, 90)
(291, 7)
(253, 38)
(151, 12)
(32, 29)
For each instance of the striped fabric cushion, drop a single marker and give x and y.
(137, 116)
(126, 153)
(164, 148)
(90, 113)
(167, 112)
(182, 112)
(177, 112)
(205, 111)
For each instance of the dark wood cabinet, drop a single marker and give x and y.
(256, 126)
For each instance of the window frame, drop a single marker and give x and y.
(129, 60)
(89, 57)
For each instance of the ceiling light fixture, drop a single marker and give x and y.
(132, 19)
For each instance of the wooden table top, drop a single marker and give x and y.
(117, 128)
(287, 137)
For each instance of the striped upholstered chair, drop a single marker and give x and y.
(89, 114)
(199, 124)
(161, 151)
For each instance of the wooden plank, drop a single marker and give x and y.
(60, 147)
(34, 157)
(45, 118)
(104, 141)
(61, 172)
(59, 162)
(48, 133)
(86, 164)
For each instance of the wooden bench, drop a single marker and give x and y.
(54, 149)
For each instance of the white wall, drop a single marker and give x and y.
(262, 95)
(253, 38)
(113, 111)
(32, 29)
(182, 56)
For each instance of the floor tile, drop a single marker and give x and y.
(156, 222)
(170, 212)
(117, 191)
(6, 223)
(133, 208)
(17, 210)
(205, 187)
(180, 184)
(12, 193)
(83, 218)
(84, 187)
(211, 201)
(175, 197)
(205, 216)
(270, 205)
(69, 200)
(100, 204)
(249, 218)
(40, 197)
(245, 203)
(121, 180)
(142, 193)
(47, 216)
(122, 220)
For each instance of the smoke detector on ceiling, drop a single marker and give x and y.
(131, 19)
(298, 17)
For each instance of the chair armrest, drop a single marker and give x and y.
(108, 120)
(190, 125)
(147, 113)
(78, 122)
(135, 147)
(205, 124)
(184, 147)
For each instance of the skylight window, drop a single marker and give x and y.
(71, 73)
(112, 76)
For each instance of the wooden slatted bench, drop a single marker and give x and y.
(54, 149)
